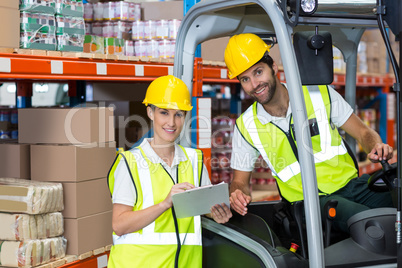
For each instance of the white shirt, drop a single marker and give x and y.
(244, 155)
(124, 191)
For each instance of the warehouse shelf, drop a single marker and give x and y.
(96, 261)
(130, 69)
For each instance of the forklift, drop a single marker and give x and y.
(305, 31)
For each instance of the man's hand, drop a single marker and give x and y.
(221, 213)
(239, 201)
(380, 151)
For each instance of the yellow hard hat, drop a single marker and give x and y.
(168, 92)
(242, 52)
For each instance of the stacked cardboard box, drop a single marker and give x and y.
(75, 146)
(9, 19)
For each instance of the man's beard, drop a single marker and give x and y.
(271, 88)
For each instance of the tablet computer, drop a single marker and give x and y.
(198, 201)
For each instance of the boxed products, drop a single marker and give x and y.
(88, 233)
(15, 160)
(86, 198)
(65, 125)
(71, 163)
(9, 19)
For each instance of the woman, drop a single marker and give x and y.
(143, 180)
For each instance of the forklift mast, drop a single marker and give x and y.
(344, 20)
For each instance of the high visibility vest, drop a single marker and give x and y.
(334, 166)
(156, 245)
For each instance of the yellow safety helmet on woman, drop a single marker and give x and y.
(168, 92)
(242, 52)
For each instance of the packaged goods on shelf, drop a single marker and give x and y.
(37, 22)
(88, 12)
(114, 46)
(74, 8)
(152, 48)
(31, 253)
(31, 197)
(165, 49)
(121, 10)
(88, 27)
(117, 29)
(129, 48)
(38, 40)
(94, 44)
(98, 11)
(20, 227)
(38, 6)
(70, 33)
(137, 31)
(140, 48)
(97, 28)
(89, 125)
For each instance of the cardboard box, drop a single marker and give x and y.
(65, 125)
(71, 163)
(15, 161)
(162, 10)
(86, 198)
(10, 31)
(88, 233)
(214, 49)
(13, 4)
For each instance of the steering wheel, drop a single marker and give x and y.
(388, 174)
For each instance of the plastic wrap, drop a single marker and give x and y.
(24, 227)
(30, 253)
(70, 33)
(73, 8)
(31, 197)
(94, 44)
(38, 6)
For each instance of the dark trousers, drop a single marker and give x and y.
(354, 198)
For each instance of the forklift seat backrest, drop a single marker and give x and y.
(314, 57)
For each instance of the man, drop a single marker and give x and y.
(266, 129)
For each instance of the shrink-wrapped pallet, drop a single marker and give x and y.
(24, 226)
(31, 197)
(30, 253)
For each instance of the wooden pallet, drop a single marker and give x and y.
(69, 259)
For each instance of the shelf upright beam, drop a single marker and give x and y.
(24, 94)
(201, 116)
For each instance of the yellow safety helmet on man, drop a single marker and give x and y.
(242, 52)
(159, 93)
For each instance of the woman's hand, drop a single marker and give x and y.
(177, 188)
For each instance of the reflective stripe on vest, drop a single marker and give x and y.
(148, 236)
(330, 153)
